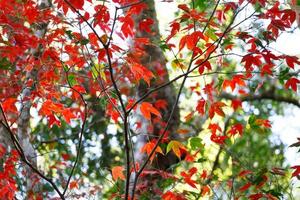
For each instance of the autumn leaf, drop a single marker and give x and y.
(291, 60)
(236, 104)
(68, 115)
(9, 105)
(216, 108)
(117, 173)
(201, 106)
(145, 25)
(256, 196)
(148, 148)
(140, 72)
(187, 177)
(292, 83)
(236, 80)
(172, 196)
(245, 187)
(205, 190)
(296, 173)
(2, 151)
(236, 129)
(175, 146)
(189, 116)
(244, 173)
(263, 122)
(183, 131)
(147, 109)
(73, 184)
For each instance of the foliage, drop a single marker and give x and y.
(82, 80)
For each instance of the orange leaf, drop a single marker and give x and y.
(175, 146)
(147, 108)
(117, 173)
(183, 131)
(73, 184)
(148, 147)
(205, 190)
(189, 116)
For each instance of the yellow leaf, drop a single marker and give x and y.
(98, 69)
(175, 146)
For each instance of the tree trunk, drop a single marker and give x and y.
(155, 61)
(32, 186)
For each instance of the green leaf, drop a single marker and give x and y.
(72, 79)
(251, 120)
(5, 64)
(69, 34)
(196, 143)
(211, 34)
(84, 41)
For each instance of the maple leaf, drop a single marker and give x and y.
(219, 139)
(236, 103)
(127, 26)
(161, 104)
(9, 105)
(73, 184)
(117, 173)
(267, 69)
(205, 190)
(296, 173)
(201, 106)
(256, 196)
(291, 60)
(187, 177)
(244, 173)
(78, 4)
(263, 122)
(250, 60)
(175, 29)
(292, 83)
(216, 108)
(183, 131)
(176, 147)
(236, 129)
(203, 65)
(2, 151)
(148, 148)
(140, 72)
(172, 196)
(147, 109)
(245, 187)
(189, 116)
(214, 128)
(68, 115)
(236, 80)
(145, 25)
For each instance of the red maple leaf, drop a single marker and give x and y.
(296, 173)
(145, 25)
(236, 129)
(292, 83)
(187, 177)
(216, 108)
(201, 106)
